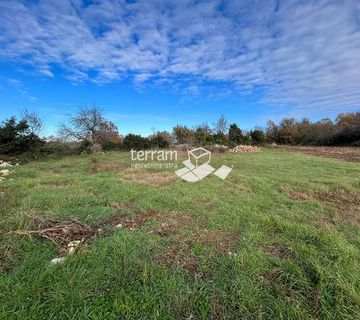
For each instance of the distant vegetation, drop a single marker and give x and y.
(88, 131)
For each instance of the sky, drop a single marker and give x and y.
(150, 65)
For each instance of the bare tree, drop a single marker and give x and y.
(84, 125)
(33, 120)
(221, 126)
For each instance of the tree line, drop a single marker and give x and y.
(88, 130)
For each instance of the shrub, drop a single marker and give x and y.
(16, 138)
(257, 137)
(159, 141)
(59, 148)
(136, 142)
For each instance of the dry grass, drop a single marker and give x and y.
(57, 231)
(349, 154)
(278, 251)
(131, 223)
(6, 254)
(153, 179)
(345, 204)
(171, 223)
(96, 166)
(54, 185)
(121, 206)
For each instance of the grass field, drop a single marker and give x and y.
(278, 239)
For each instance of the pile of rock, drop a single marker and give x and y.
(4, 164)
(4, 172)
(242, 148)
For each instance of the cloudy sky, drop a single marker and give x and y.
(153, 64)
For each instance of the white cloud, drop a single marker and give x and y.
(299, 53)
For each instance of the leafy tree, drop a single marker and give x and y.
(108, 135)
(183, 135)
(348, 120)
(272, 132)
(257, 137)
(136, 142)
(16, 138)
(159, 141)
(235, 135)
(288, 133)
(203, 135)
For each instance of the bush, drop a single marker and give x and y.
(347, 136)
(159, 141)
(135, 142)
(257, 137)
(16, 138)
(58, 148)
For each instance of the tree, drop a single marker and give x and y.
(165, 136)
(108, 135)
(84, 125)
(257, 137)
(288, 133)
(235, 135)
(90, 126)
(158, 141)
(272, 132)
(221, 125)
(135, 142)
(183, 135)
(203, 135)
(348, 120)
(33, 121)
(16, 138)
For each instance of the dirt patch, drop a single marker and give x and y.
(279, 284)
(131, 223)
(121, 206)
(169, 226)
(278, 251)
(171, 223)
(179, 253)
(59, 232)
(223, 241)
(349, 154)
(174, 255)
(345, 203)
(153, 179)
(96, 166)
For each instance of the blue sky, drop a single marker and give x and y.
(154, 64)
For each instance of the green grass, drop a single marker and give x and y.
(291, 259)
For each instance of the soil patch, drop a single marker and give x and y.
(278, 251)
(171, 223)
(121, 206)
(223, 241)
(131, 223)
(175, 255)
